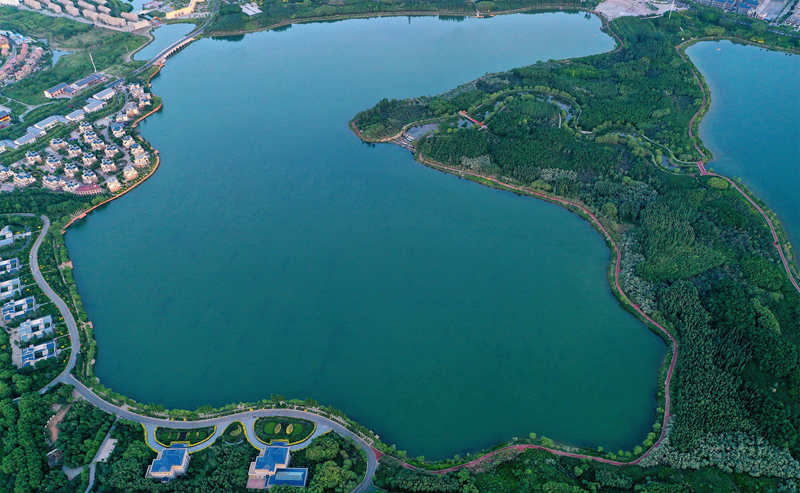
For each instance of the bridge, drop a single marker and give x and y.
(172, 49)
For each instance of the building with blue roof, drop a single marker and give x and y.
(33, 354)
(6, 236)
(39, 327)
(169, 464)
(9, 288)
(10, 266)
(15, 309)
(271, 467)
(291, 476)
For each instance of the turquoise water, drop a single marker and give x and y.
(753, 125)
(165, 36)
(273, 252)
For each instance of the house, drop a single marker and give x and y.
(74, 151)
(55, 91)
(89, 176)
(9, 288)
(145, 99)
(89, 136)
(25, 139)
(76, 116)
(121, 118)
(141, 160)
(6, 236)
(57, 144)
(5, 145)
(71, 186)
(33, 157)
(39, 327)
(111, 150)
(15, 309)
(168, 464)
(107, 166)
(70, 169)
(37, 132)
(69, 90)
(136, 149)
(129, 173)
(113, 184)
(88, 81)
(8, 267)
(5, 118)
(127, 141)
(33, 354)
(135, 90)
(93, 105)
(85, 127)
(53, 162)
(117, 129)
(51, 182)
(4, 173)
(104, 95)
(47, 123)
(98, 145)
(88, 159)
(88, 189)
(271, 468)
(23, 179)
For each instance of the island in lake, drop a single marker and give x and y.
(273, 253)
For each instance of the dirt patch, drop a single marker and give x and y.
(637, 8)
(52, 424)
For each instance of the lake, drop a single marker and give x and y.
(273, 252)
(753, 124)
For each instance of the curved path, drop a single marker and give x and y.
(74, 337)
(150, 423)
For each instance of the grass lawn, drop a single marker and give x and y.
(285, 429)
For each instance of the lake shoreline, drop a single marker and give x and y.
(568, 205)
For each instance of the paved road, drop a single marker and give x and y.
(150, 423)
(74, 337)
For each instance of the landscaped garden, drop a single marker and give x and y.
(233, 434)
(166, 436)
(292, 430)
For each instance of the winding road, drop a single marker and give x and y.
(150, 423)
